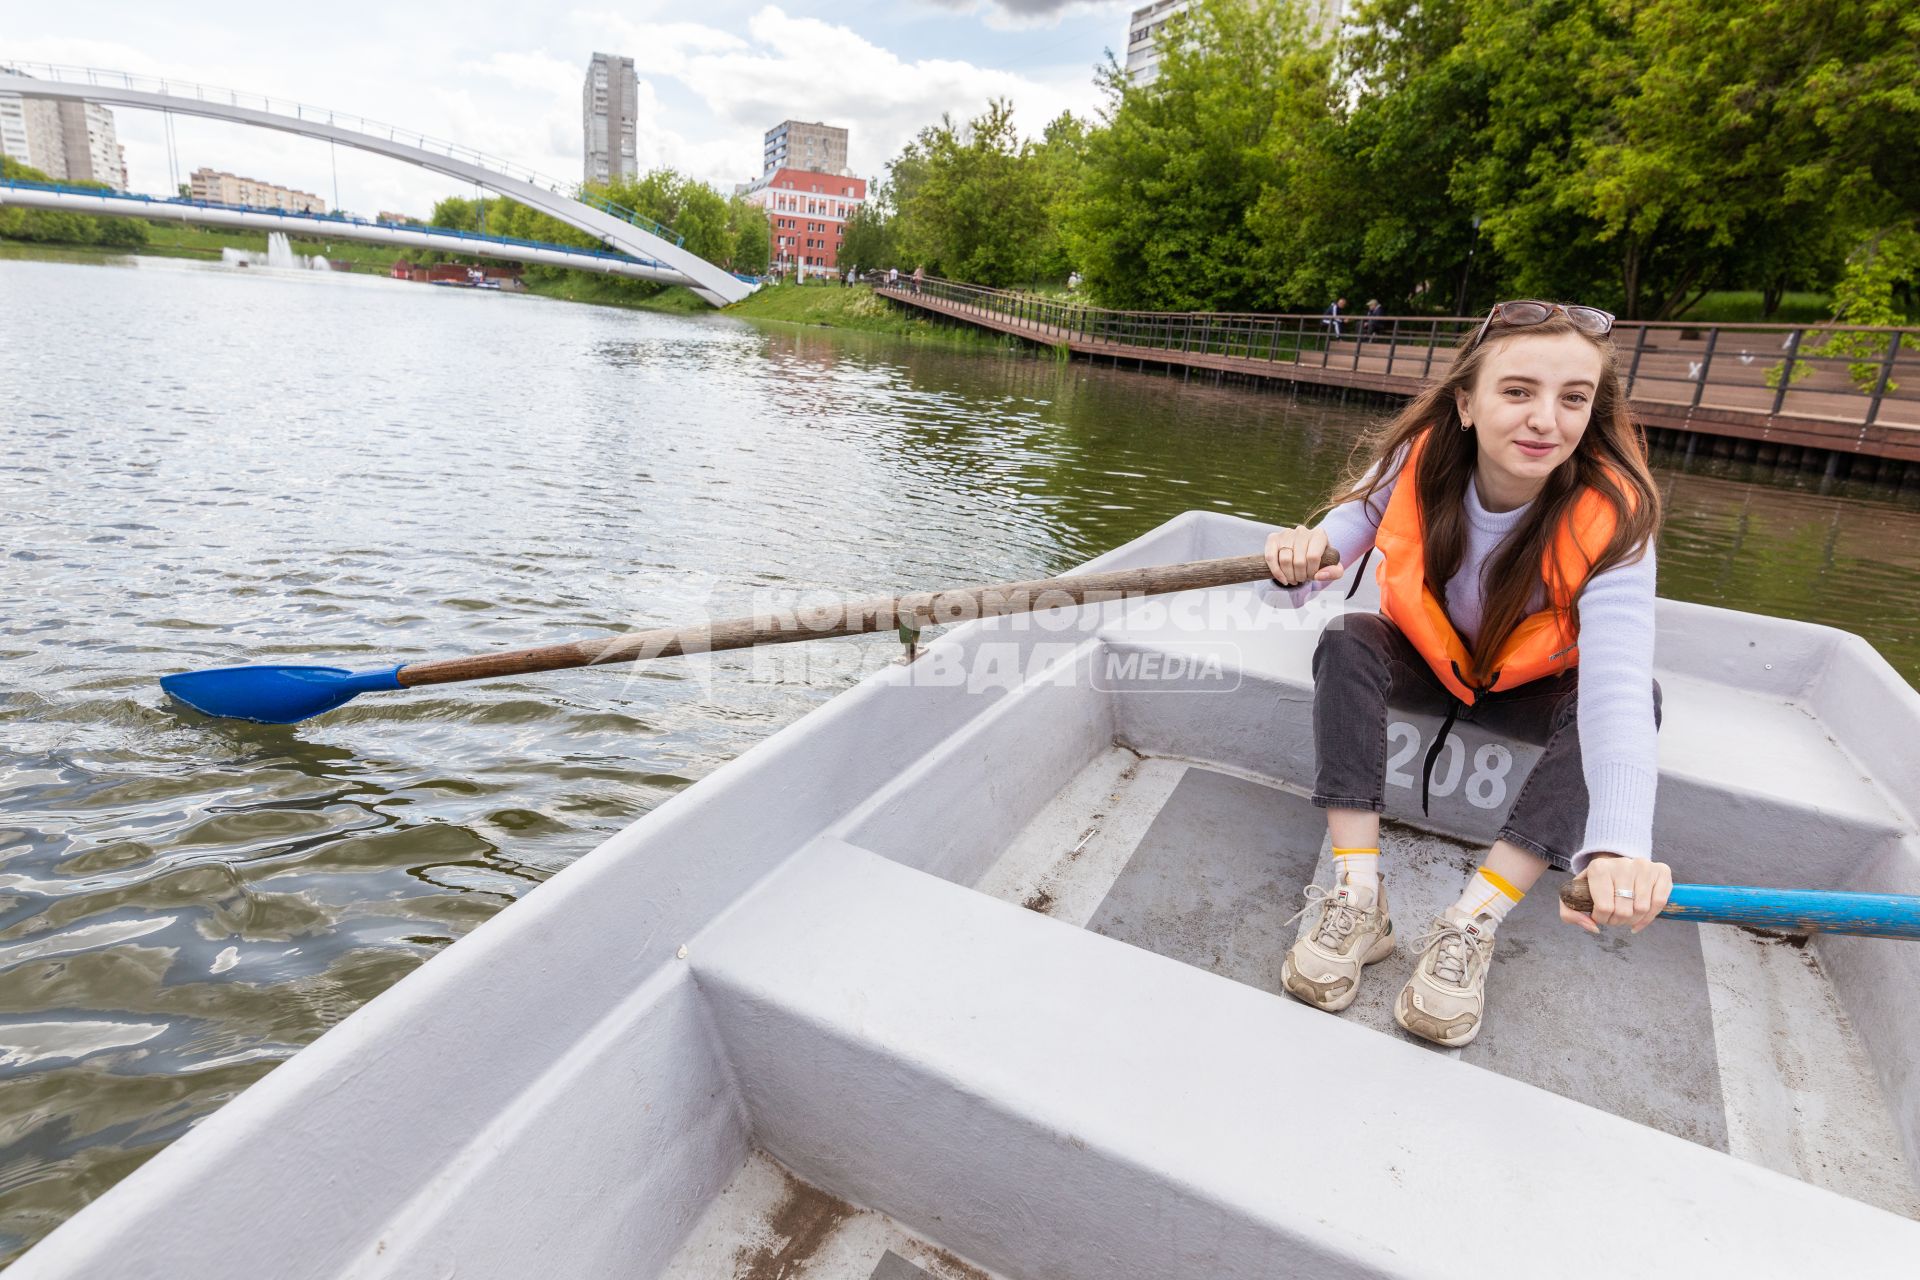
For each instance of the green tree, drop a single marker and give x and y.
(1060, 159)
(1643, 151)
(751, 236)
(1866, 295)
(1366, 205)
(868, 243)
(692, 209)
(1162, 217)
(975, 203)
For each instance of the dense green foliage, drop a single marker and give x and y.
(56, 226)
(974, 202)
(727, 231)
(1636, 154)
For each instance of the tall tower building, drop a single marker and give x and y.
(67, 141)
(609, 109)
(92, 145)
(795, 144)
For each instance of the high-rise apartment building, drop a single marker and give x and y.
(1144, 45)
(67, 141)
(610, 111)
(93, 146)
(796, 144)
(1143, 38)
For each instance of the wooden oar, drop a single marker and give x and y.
(286, 694)
(1872, 915)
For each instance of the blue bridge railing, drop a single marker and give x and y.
(333, 219)
(620, 211)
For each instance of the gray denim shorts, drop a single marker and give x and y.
(1363, 664)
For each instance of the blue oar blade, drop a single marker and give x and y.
(274, 695)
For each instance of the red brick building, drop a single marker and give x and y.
(809, 213)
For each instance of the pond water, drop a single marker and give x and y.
(205, 465)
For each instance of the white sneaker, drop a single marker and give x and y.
(1354, 930)
(1446, 998)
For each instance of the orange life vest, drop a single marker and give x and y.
(1545, 642)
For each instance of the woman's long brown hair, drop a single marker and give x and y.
(1610, 459)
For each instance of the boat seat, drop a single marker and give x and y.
(1014, 1063)
(1721, 747)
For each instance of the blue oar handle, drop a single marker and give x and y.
(1873, 915)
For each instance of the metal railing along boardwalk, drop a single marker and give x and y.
(1852, 389)
(170, 87)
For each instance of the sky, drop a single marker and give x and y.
(505, 78)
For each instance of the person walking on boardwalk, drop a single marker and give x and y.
(1371, 325)
(919, 278)
(1513, 506)
(1331, 317)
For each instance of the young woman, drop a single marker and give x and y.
(1516, 515)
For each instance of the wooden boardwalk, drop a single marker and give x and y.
(1694, 382)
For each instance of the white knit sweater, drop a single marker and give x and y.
(1618, 752)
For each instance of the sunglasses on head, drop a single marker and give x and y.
(1518, 315)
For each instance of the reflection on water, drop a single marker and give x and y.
(206, 466)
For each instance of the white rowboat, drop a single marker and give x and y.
(978, 976)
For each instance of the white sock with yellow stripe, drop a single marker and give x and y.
(1488, 894)
(1361, 866)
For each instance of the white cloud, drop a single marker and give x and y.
(707, 93)
(1015, 15)
(810, 69)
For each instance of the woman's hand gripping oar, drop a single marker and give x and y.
(286, 694)
(1873, 915)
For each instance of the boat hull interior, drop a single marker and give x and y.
(974, 971)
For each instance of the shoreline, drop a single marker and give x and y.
(854, 309)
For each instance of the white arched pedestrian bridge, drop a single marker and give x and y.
(622, 229)
(98, 202)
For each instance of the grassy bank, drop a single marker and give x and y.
(858, 308)
(1744, 308)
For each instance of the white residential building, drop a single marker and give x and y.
(1144, 33)
(610, 112)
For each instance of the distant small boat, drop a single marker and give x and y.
(974, 970)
